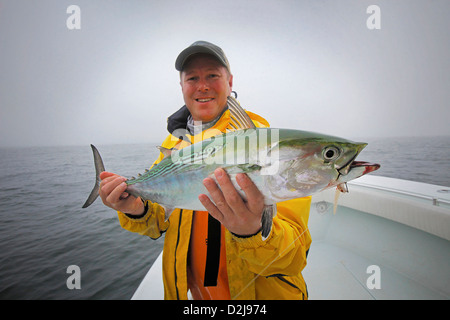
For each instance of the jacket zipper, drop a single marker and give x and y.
(176, 247)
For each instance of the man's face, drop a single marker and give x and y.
(206, 84)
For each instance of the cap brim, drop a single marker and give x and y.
(186, 53)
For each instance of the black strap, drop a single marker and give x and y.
(212, 252)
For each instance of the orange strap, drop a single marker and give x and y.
(197, 262)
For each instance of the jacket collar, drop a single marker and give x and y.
(180, 120)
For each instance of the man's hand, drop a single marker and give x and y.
(112, 192)
(238, 216)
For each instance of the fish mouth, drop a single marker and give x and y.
(352, 164)
(369, 167)
(346, 167)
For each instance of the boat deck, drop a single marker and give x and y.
(400, 228)
(412, 264)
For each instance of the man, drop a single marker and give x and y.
(218, 253)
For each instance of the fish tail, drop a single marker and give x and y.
(269, 212)
(99, 168)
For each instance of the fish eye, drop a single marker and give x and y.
(331, 153)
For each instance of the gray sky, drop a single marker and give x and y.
(309, 65)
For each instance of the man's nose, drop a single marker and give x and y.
(203, 86)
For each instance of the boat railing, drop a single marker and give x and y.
(436, 201)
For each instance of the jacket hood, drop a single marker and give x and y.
(178, 120)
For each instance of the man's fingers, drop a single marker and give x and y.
(210, 207)
(255, 199)
(108, 177)
(112, 191)
(227, 206)
(113, 194)
(106, 181)
(230, 195)
(106, 174)
(116, 194)
(109, 184)
(217, 196)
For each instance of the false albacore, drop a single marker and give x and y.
(284, 164)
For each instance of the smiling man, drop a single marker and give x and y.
(206, 84)
(218, 253)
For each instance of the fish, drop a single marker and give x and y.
(283, 163)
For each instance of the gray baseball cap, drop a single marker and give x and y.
(201, 47)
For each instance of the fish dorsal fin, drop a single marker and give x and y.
(165, 151)
(239, 119)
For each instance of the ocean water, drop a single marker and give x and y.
(423, 159)
(43, 229)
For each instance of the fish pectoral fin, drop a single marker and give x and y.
(242, 168)
(167, 211)
(269, 212)
(270, 169)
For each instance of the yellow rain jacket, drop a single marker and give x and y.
(257, 269)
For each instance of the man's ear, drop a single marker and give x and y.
(230, 83)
